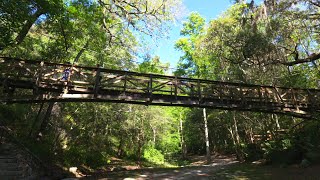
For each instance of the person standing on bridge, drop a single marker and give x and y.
(66, 73)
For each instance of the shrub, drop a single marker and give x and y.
(153, 155)
(253, 152)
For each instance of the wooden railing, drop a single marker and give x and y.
(45, 81)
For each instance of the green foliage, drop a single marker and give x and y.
(153, 155)
(253, 152)
(169, 143)
(248, 43)
(18, 16)
(282, 152)
(193, 30)
(153, 66)
(194, 25)
(194, 131)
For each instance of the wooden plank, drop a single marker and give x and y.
(229, 95)
(7, 59)
(82, 82)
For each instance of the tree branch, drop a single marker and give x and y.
(312, 57)
(314, 3)
(81, 52)
(25, 29)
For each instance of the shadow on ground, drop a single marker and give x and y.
(221, 168)
(196, 170)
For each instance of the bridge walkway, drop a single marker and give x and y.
(25, 81)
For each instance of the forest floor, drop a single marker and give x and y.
(221, 167)
(197, 169)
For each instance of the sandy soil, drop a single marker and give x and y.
(199, 169)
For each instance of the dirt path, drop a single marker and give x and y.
(196, 170)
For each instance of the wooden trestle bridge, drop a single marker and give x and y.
(25, 81)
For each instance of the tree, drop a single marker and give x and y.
(192, 30)
(95, 30)
(206, 134)
(190, 63)
(268, 37)
(19, 16)
(89, 32)
(153, 65)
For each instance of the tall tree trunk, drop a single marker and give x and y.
(236, 128)
(25, 29)
(275, 116)
(46, 119)
(183, 144)
(251, 135)
(81, 52)
(206, 134)
(139, 149)
(120, 147)
(232, 135)
(154, 132)
(36, 120)
(236, 138)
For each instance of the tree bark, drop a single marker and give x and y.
(46, 119)
(154, 132)
(236, 128)
(36, 120)
(274, 116)
(236, 138)
(27, 26)
(120, 147)
(139, 149)
(206, 134)
(183, 144)
(311, 58)
(81, 52)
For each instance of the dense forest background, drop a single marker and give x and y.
(275, 42)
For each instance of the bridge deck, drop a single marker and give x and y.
(26, 81)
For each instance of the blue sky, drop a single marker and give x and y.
(209, 9)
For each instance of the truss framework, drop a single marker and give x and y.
(25, 81)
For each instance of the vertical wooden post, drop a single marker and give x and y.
(150, 84)
(38, 79)
(199, 91)
(125, 83)
(39, 75)
(97, 82)
(176, 88)
(310, 99)
(294, 100)
(241, 95)
(212, 91)
(171, 90)
(260, 96)
(279, 98)
(266, 95)
(150, 90)
(220, 93)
